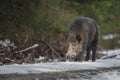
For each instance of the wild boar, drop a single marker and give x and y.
(82, 38)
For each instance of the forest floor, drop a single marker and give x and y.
(112, 73)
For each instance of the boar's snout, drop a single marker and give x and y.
(74, 56)
(70, 56)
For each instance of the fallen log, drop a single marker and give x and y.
(111, 56)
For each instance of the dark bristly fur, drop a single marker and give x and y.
(82, 38)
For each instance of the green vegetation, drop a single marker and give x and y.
(22, 20)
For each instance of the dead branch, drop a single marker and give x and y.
(31, 47)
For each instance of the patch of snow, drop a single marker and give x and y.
(6, 43)
(110, 36)
(57, 66)
(110, 52)
(40, 58)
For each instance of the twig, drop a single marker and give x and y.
(2, 54)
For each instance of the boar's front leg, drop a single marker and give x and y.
(80, 57)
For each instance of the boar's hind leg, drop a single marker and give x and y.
(94, 48)
(88, 53)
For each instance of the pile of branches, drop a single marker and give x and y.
(50, 50)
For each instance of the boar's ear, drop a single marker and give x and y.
(78, 38)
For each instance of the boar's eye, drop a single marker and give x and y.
(78, 38)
